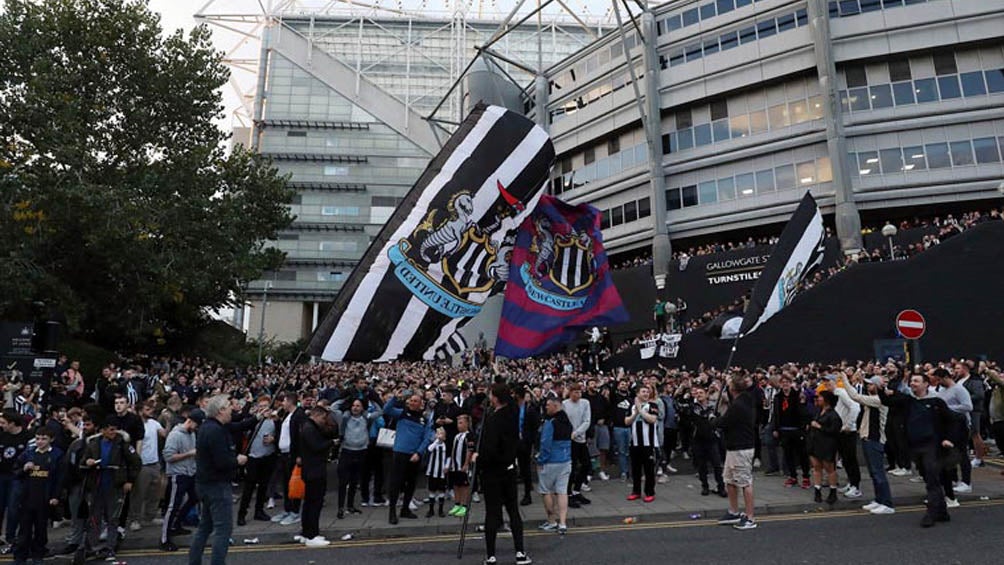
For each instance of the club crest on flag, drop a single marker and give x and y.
(563, 270)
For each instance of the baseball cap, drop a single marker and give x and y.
(197, 416)
(876, 380)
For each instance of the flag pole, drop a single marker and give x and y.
(728, 365)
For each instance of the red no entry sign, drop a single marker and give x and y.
(910, 324)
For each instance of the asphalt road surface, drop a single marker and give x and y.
(842, 538)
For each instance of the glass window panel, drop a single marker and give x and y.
(726, 189)
(694, 52)
(834, 9)
(725, 6)
(690, 17)
(747, 35)
(605, 220)
(926, 89)
(802, 17)
(824, 170)
(745, 185)
(684, 119)
(949, 87)
(849, 8)
(868, 163)
(845, 102)
(944, 63)
(881, 96)
(730, 40)
(784, 177)
(630, 211)
(765, 181)
(702, 135)
(899, 70)
(676, 57)
(902, 93)
(913, 158)
(674, 22)
(741, 3)
(995, 80)
(758, 122)
(786, 22)
(721, 130)
(892, 3)
(711, 46)
(641, 153)
(891, 160)
(603, 168)
(859, 99)
(719, 109)
(856, 76)
(816, 108)
(673, 199)
(798, 111)
(708, 192)
(767, 28)
(616, 216)
(937, 156)
(986, 150)
(870, 5)
(740, 126)
(778, 116)
(644, 207)
(685, 138)
(962, 153)
(689, 195)
(806, 173)
(708, 11)
(972, 84)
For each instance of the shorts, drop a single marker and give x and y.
(603, 438)
(437, 485)
(553, 478)
(458, 479)
(738, 468)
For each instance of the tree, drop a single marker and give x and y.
(119, 204)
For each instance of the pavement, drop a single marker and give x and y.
(678, 499)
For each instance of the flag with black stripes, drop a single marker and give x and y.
(446, 248)
(454, 344)
(799, 250)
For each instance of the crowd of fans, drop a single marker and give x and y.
(156, 406)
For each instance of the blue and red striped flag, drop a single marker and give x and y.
(559, 281)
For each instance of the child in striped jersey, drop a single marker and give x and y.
(460, 455)
(435, 471)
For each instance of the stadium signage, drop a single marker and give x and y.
(733, 270)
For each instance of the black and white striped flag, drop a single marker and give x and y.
(454, 344)
(799, 250)
(445, 249)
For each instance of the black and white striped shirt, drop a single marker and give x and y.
(458, 456)
(436, 469)
(644, 434)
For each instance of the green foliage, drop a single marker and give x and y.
(118, 203)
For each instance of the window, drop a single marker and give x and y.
(778, 116)
(868, 163)
(881, 96)
(758, 122)
(294, 133)
(765, 181)
(747, 35)
(689, 196)
(891, 160)
(337, 246)
(859, 99)
(740, 126)
(566, 165)
(949, 87)
(824, 170)
(972, 84)
(719, 110)
(708, 192)
(806, 173)
(711, 46)
(784, 177)
(802, 17)
(727, 189)
(339, 210)
(386, 201)
(741, 3)
(616, 216)
(685, 138)
(644, 207)
(694, 52)
(674, 22)
(798, 111)
(926, 89)
(856, 76)
(962, 153)
(745, 185)
(332, 170)
(899, 70)
(995, 80)
(673, 199)
(786, 22)
(708, 11)
(684, 119)
(630, 212)
(944, 64)
(730, 40)
(913, 158)
(937, 156)
(589, 155)
(690, 17)
(816, 107)
(702, 135)
(720, 129)
(323, 276)
(767, 28)
(676, 57)
(849, 8)
(605, 219)
(613, 146)
(986, 150)
(902, 93)
(667, 144)
(725, 6)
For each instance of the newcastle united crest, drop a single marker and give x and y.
(564, 268)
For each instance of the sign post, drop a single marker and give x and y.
(911, 325)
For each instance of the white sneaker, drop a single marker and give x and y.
(290, 519)
(603, 476)
(844, 488)
(135, 527)
(476, 498)
(658, 471)
(952, 502)
(900, 472)
(852, 492)
(671, 469)
(280, 517)
(976, 462)
(586, 487)
(413, 506)
(317, 542)
(663, 479)
(917, 479)
(963, 488)
(364, 503)
(299, 539)
(871, 506)
(271, 504)
(883, 509)
(157, 521)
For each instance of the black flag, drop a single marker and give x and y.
(444, 250)
(799, 250)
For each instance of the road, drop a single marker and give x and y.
(816, 538)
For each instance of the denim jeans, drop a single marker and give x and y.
(622, 441)
(215, 517)
(875, 457)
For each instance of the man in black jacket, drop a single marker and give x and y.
(529, 423)
(114, 467)
(288, 442)
(216, 461)
(788, 421)
(496, 460)
(315, 444)
(739, 426)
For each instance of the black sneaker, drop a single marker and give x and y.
(242, 520)
(573, 502)
(393, 517)
(527, 501)
(729, 519)
(340, 514)
(722, 492)
(522, 558)
(179, 532)
(818, 497)
(353, 510)
(745, 523)
(168, 546)
(831, 499)
(262, 517)
(927, 521)
(705, 491)
(406, 513)
(583, 499)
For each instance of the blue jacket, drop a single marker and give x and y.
(414, 430)
(555, 440)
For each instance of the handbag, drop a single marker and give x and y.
(385, 438)
(296, 487)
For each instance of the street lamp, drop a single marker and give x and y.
(261, 327)
(890, 231)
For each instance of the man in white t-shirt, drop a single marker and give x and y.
(145, 500)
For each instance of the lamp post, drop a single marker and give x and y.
(261, 327)
(890, 231)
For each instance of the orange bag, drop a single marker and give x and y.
(296, 486)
